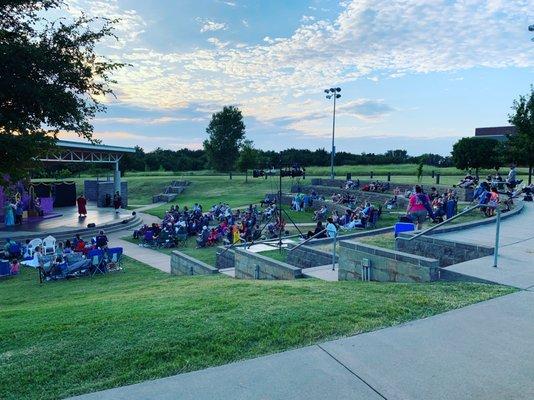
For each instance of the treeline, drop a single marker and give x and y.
(195, 160)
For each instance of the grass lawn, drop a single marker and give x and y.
(65, 338)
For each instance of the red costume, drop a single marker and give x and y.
(82, 210)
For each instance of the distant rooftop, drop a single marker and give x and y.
(93, 147)
(495, 132)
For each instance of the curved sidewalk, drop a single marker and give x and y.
(516, 251)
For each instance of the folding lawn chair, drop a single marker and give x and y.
(5, 268)
(114, 259)
(98, 264)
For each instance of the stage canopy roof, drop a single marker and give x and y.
(68, 151)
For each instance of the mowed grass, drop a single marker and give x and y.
(71, 337)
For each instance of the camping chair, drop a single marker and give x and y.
(96, 257)
(49, 243)
(148, 238)
(181, 239)
(5, 269)
(114, 259)
(34, 243)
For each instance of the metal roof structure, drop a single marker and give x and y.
(68, 151)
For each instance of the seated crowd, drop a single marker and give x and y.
(220, 225)
(72, 258)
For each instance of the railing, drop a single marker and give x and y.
(467, 210)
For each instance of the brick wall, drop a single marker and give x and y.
(182, 264)
(255, 266)
(447, 252)
(386, 265)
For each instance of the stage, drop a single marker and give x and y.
(65, 219)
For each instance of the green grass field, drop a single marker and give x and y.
(71, 337)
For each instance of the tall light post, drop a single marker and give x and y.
(333, 93)
(531, 29)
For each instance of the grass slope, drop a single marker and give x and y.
(66, 338)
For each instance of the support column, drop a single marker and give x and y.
(117, 178)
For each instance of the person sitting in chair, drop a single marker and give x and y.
(102, 240)
(203, 236)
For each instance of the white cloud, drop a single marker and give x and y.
(370, 39)
(208, 25)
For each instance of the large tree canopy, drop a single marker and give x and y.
(474, 152)
(226, 133)
(521, 145)
(50, 79)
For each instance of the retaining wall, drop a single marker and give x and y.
(307, 257)
(255, 266)
(182, 264)
(448, 252)
(386, 265)
(225, 258)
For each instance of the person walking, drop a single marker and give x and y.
(418, 207)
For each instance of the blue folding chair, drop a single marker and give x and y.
(114, 258)
(5, 268)
(98, 265)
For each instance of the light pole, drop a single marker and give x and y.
(531, 29)
(333, 93)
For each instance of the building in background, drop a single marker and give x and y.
(496, 132)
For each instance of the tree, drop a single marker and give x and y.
(474, 152)
(50, 80)
(520, 147)
(226, 134)
(249, 158)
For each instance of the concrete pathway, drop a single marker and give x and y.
(484, 351)
(323, 272)
(516, 252)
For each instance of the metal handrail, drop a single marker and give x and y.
(441, 223)
(307, 240)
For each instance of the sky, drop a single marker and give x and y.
(414, 74)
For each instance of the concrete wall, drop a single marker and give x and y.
(225, 258)
(447, 252)
(307, 257)
(386, 265)
(255, 266)
(97, 190)
(182, 264)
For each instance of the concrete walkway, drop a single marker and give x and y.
(516, 251)
(323, 272)
(150, 257)
(484, 351)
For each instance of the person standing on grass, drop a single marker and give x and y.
(417, 207)
(82, 209)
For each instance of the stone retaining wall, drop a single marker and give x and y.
(182, 264)
(225, 258)
(448, 252)
(307, 257)
(386, 265)
(255, 266)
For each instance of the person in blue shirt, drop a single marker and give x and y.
(331, 229)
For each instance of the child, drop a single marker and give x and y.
(15, 267)
(493, 202)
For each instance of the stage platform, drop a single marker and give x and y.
(66, 221)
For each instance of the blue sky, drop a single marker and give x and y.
(414, 74)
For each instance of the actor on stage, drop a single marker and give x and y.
(82, 202)
(117, 202)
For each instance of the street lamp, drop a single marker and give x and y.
(333, 93)
(531, 29)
